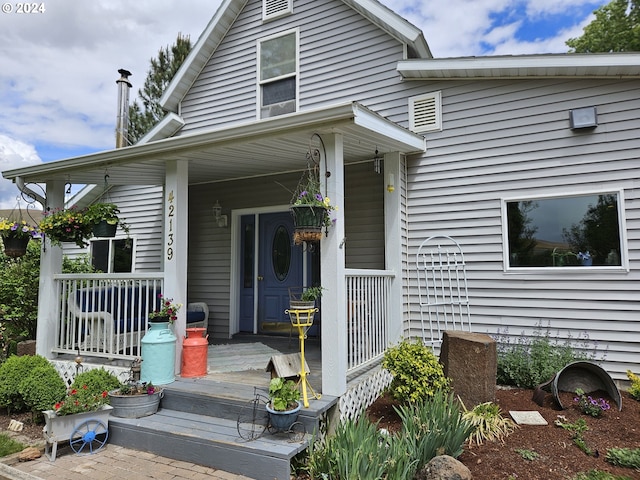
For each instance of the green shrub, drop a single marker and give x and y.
(599, 475)
(634, 389)
(358, 450)
(530, 361)
(433, 427)
(488, 423)
(624, 457)
(417, 373)
(97, 381)
(353, 452)
(42, 388)
(12, 372)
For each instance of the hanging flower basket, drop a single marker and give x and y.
(68, 225)
(15, 247)
(16, 236)
(308, 221)
(104, 229)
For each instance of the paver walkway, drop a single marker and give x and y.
(110, 463)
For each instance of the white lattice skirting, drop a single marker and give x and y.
(363, 393)
(67, 370)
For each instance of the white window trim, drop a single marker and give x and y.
(436, 97)
(111, 252)
(622, 225)
(288, 10)
(296, 73)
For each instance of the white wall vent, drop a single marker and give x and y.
(276, 8)
(425, 112)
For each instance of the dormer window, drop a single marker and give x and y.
(276, 8)
(278, 74)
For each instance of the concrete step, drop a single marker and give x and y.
(197, 422)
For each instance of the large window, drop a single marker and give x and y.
(278, 79)
(579, 231)
(112, 255)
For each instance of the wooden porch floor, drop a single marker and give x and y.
(285, 346)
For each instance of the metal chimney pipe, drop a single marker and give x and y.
(122, 123)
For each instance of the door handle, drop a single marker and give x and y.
(260, 278)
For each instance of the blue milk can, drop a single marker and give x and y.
(158, 354)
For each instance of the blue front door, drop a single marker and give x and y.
(279, 265)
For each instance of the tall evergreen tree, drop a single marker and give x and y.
(616, 28)
(144, 115)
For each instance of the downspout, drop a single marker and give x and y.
(19, 181)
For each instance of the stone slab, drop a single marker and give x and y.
(527, 417)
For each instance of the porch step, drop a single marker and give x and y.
(197, 423)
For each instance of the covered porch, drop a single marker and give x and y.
(199, 262)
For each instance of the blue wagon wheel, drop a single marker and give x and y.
(89, 437)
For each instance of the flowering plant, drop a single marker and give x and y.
(167, 309)
(17, 229)
(68, 225)
(80, 401)
(589, 405)
(135, 388)
(309, 194)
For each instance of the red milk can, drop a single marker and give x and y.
(194, 353)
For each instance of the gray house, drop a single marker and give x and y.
(529, 162)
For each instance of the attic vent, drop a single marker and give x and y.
(276, 8)
(425, 112)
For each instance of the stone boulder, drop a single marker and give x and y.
(444, 467)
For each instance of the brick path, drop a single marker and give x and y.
(110, 463)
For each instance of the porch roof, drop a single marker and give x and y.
(252, 149)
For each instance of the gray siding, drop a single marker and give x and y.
(503, 139)
(209, 269)
(341, 56)
(141, 208)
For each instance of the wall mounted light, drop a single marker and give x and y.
(586, 117)
(391, 183)
(221, 220)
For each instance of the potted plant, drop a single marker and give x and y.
(135, 400)
(167, 312)
(310, 209)
(82, 417)
(66, 225)
(305, 299)
(104, 219)
(16, 235)
(284, 403)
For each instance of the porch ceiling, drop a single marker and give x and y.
(248, 150)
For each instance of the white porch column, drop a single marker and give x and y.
(334, 312)
(393, 242)
(50, 264)
(176, 223)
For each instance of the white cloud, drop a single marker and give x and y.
(14, 154)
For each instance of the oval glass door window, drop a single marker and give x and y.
(281, 253)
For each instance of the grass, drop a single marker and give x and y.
(8, 445)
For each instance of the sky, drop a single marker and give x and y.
(59, 63)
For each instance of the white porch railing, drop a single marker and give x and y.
(368, 293)
(104, 315)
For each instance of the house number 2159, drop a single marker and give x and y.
(170, 214)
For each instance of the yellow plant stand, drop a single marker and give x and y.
(303, 320)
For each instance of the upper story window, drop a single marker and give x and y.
(425, 112)
(112, 255)
(278, 74)
(570, 231)
(276, 8)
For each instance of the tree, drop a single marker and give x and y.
(144, 115)
(616, 28)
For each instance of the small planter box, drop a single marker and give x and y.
(88, 425)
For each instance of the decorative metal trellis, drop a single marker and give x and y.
(442, 288)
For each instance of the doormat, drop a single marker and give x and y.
(239, 357)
